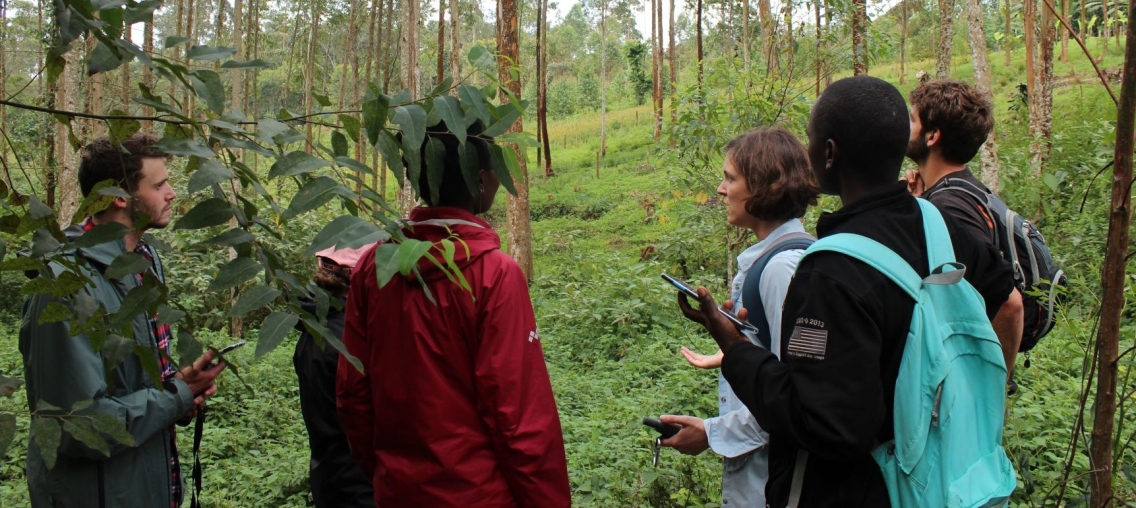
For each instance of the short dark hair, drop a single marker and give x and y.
(453, 189)
(776, 166)
(867, 118)
(102, 160)
(963, 116)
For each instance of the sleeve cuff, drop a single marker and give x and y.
(182, 393)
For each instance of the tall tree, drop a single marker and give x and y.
(544, 154)
(746, 35)
(902, 40)
(698, 35)
(455, 41)
(1065, 33)
(4, 86)
(1113, 281)
(1006, 16)
(859, 40)
(603, 79)
(977, 37)
(657, 75)
(147, 72)
(1042, 129)
(66, 157)
(946, 38)
(410, 81)
(671, 57)
(768, 27)
(517, 209)
(441, 72)
(310, 68)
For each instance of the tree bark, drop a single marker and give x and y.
(7, 178)
(603, 75)
(66, 157)
(671, 54)
(517, 207)
(698, 31)
(946, 38)
(859, 41)
(310, 69)
(409, 80)
(238, 76)
(440, 73)
(746, 36)
(1113, 282)
(542, 91)
(455, 42)
(1029, 13)
(902, 41)
(768, 26)
(657, 66)
(1065, 33)
(1006, 39)
(982, 81)
(1043, 129)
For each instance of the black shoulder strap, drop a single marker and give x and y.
(959, 184)
(751, 287)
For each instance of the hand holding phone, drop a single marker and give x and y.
(666, 430)
(225, 350)
(689, 291)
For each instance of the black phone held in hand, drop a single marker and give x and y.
(666, 430)
(689, 291)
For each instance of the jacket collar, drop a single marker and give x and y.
(748, 256)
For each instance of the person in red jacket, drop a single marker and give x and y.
(454, 407)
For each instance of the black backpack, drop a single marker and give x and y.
(751, 290)
(1035, 273)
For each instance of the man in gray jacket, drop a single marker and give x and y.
(65, 361)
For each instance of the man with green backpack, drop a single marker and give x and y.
(889, 386)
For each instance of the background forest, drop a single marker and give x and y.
(284, 115)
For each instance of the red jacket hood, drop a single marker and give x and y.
(472, 236)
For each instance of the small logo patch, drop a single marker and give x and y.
(808, 342)
(533, 335)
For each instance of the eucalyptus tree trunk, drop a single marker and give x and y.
(124, 79)
(147, 72)
(310, 69)
(1113, 282)
(88, 129)
(1043, 129)
(859, 41)
(603, 77)
(410, 81)
(1029, 22)
(441, 70)
(946, 38)
(674, 73)
(542, 89)
(902, 41)
(657, 66)
(768, 26)
(982, 81)
(1006, 39)
(698, 32)
(66, 156)
(455, 42)
(1065, 33)
(517, 207)
(819, 58)
(7, 178)
(746, 36)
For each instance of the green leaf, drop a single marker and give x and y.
(412, 120)
(116, 349)
(388, 148)
(7, 432)
(501, 166)
(231, 238)
(137, 301)
(211, 172)
(275, 328)
(451, 112)
(211, 212)
(315, 193)
(103, 58)
(338, 144)
(127, 263)
(47, 433)
(353, 165)
(296, 163)
(470, 167)
(386, 262)
(351, 125)
(508, 118)
(172, 41)
(55, 312)
(37, 210)
(409, 252)
(119, 129)
(148, 357)
(209, 52)
(322, 99)
(235, 273)
(189, 349)
(168, 315)
(251, 64)
(208, 86)
(254, 298)
(346, 231)
(329, 339)
(184, 147)
(43, 243)
(482, 58)
(85, 306)
(474, 101)
(141, 12)
(82, 430)
(435, 167)
(375, 109)
(8, 387)
(267, 128)
(113, 427)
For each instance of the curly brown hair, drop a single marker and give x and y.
(776, 166)
(102, 159)
(332, 277)
(963, 116)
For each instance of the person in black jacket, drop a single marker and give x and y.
(336, 480)
(844, 324)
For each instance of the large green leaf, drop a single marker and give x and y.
(346, 231)
(184, 147)
(409, 252)
(470, 167)
(386, 262)
(267, 128)
(188, 349)
(482, 58)
(375, 107)
(209, 173)
(46, 433)
(172, 41)
(351, 125)
(168, 315)
(353, 165)
(8, 387)
(251, 64)
(254, 298)
(209, 52)
(236, 272)
(136, 302)
(141, 12)
(211, 212)
(232, 238)
(296, 163)
(475, 101)
(328, 338)
(113, 427)
(435, 167)
(127, 263)
(315, 193)
(81, 429)
(388, 148)
(338, 144)
(275, 328)
(501, 166)
(209, 88)
(451, 112)
(103, 58)
(502, 125)
(43, 242)
(412, 120)
(121, 129)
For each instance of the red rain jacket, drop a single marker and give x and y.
(455, 407)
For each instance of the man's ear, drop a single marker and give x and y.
(119, 203)
(933, 137)
(831, 152)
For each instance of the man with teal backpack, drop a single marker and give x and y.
(889, 386)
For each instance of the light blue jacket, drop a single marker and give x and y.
(735, 434)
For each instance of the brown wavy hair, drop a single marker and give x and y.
(332, 277)
(962, 115)
(776, 166)
(102, 159)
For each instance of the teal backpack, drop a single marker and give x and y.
(950, 393)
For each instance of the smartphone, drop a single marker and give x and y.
(231, 347)
(666, 430)
(685, 288)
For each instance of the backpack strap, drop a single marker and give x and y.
(751, 287)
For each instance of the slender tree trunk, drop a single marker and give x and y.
(67, 157)
(902, 39)
(768, 26)
(659, 68)
(542, 106)
(1113, 282)
(1029, 13)
(859, 41)
(147, 72)
(1104, 27)
(7, 178)
(218, 28)
(124, 78)
(1044, 75)
(1065, 33)
(982, 81)
(388, 35)
(698, 32)
(746, 37)
(1006, 39)
(674, 73)
(517, 209)
(455, 43)
(237, 77)
(310, 69)
(92, 100)
(946, 38)
(441, 41)
(603, 77)
(410, 81)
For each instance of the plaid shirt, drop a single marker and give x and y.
(164, 339)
